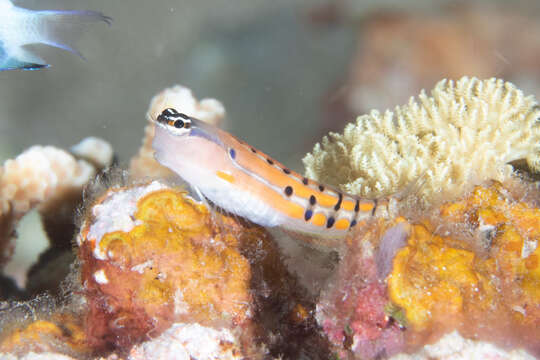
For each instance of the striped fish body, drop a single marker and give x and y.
(244, 181)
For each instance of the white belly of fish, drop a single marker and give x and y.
(242, 203)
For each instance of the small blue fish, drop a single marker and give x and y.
(19, 27)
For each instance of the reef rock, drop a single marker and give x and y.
(152, 257)
(471, 266)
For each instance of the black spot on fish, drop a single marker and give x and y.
(374, 207)
(305, 181)
(270, 161)
(312, 200)
(288, 190)
(357, 205)
(330, 222)
(338, 204)
(321, 188)
(232, 153)
(308, 214)
(253, 150)
(286, 171)
(353, 223)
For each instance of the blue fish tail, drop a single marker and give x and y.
(62, 28)
(58, 28)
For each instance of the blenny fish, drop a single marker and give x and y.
(58, 28)
(244, 181)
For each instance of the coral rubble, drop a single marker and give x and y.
(466, 133)
(453, 347)
(189, 341)
(61, 334)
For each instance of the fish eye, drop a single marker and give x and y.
(167, 115)
(171, 117)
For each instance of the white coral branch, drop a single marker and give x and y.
(39, 174)
(42, 175)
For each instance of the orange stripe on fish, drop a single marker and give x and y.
(342, 224)
(225, 176)
(255, 186)
(319, 219)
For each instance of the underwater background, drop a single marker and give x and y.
(287, 71)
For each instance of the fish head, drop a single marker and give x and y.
(188, 146)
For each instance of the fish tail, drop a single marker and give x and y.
(62, 28)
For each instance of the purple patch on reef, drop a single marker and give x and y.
(393, 239)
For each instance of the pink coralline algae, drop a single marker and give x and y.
(353, 310)
(374, 332)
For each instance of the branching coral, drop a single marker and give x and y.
(94, 150)
(37, 174)
(45, 176)
(467, 132)
(181, 98)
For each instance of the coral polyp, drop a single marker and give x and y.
(465, 133)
